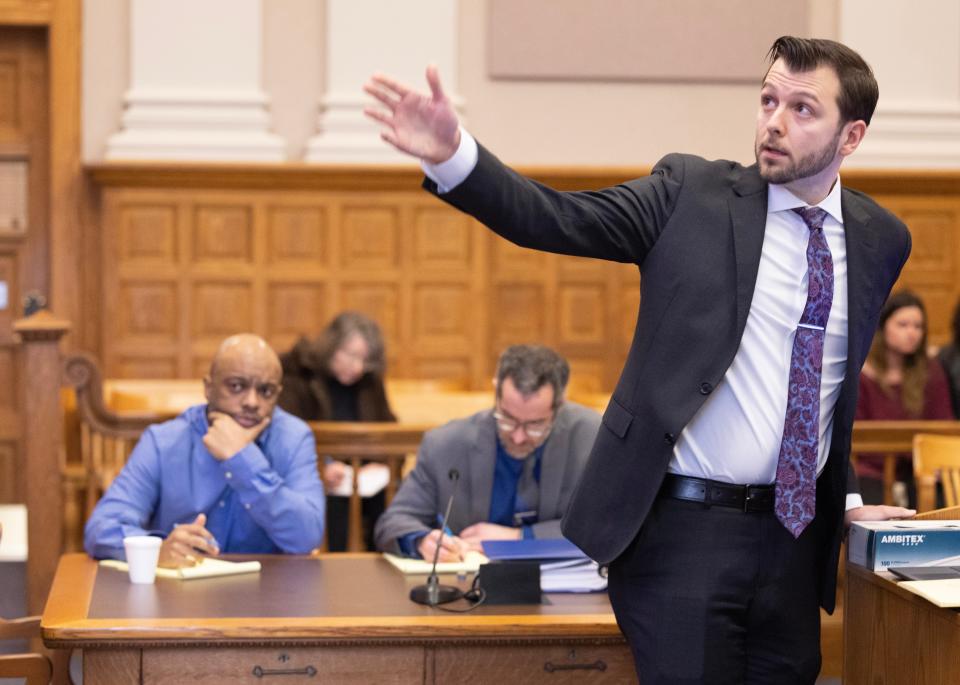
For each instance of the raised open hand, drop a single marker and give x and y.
(425, 126)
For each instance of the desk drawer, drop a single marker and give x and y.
(200, 666)
(573, 663)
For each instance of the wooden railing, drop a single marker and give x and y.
(356, 443)
(892, 439)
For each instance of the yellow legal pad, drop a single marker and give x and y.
(414, 566)
(208, 568)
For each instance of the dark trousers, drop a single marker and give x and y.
(715, 595)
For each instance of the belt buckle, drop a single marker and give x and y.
(746, 499)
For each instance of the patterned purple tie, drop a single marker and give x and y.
(796, 487)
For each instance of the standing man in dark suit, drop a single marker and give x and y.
(717, 487)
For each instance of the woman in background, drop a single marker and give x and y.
(949, 356)
(899, 382)
(339, 377)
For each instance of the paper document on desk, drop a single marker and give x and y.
(943, 593)
(373, 479)
(571, 575)
(208, 568)
(407, 565)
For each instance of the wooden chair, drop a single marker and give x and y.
(106, 440)
(35, 668)
(936, 458)
(355, 443)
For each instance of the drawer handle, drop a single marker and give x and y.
(261, 672)
(598, 665)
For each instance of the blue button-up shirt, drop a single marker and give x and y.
(265, 499)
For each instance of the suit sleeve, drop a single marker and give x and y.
(621, 223)
(128, 504)
(288, 506)
(414, 508)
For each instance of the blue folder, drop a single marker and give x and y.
(537, 548)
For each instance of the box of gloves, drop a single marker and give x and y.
(879, 545)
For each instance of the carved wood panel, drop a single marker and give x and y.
(186, 264)
(24, 256)
(931, 271)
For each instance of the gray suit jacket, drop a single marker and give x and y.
(695, 229)
(469, 445)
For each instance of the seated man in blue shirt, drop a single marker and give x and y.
(514, 468)
(237, 474)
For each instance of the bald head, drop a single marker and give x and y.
(246, 346)
(244, 379)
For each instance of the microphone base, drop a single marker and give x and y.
(442, 594)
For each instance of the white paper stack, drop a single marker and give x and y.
(571, 575)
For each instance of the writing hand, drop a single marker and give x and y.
(225, 437)
(425, 126)
(473, 535)
(185, 543)
(452, 549)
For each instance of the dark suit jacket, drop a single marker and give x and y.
(695, 229)
(469, 445)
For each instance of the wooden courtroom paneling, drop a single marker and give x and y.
(191, 253)
(24, 250)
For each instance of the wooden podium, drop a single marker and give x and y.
(894, 637)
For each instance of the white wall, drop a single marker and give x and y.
(542, 122)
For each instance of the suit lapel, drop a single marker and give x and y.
(862, 267)
(748, 217)
(552, 468)
(483, 456)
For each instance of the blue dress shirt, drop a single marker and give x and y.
(265, 499)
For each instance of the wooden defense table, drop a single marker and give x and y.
(894, 637)
(341, 618)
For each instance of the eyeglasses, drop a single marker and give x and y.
(534, 429)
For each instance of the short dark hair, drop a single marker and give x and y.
(858, 86)
(530, 367)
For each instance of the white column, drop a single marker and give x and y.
(915, 54)
(365, 36)
(195, 84)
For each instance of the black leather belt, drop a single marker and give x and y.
(747, 498)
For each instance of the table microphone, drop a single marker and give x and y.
(432, 592)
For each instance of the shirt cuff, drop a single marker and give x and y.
(854, 500)
(408, 543)
(454, 171)
(528, 533)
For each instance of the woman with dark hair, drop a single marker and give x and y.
(899, 382)
(949, 356)
(339, 377)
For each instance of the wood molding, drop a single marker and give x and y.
(26, 12)
(365, 178)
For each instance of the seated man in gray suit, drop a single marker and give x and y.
(517, 463)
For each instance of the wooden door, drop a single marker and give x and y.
(24, 219)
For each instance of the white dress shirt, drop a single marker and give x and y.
(735, 436)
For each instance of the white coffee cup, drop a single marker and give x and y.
(143, 551)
